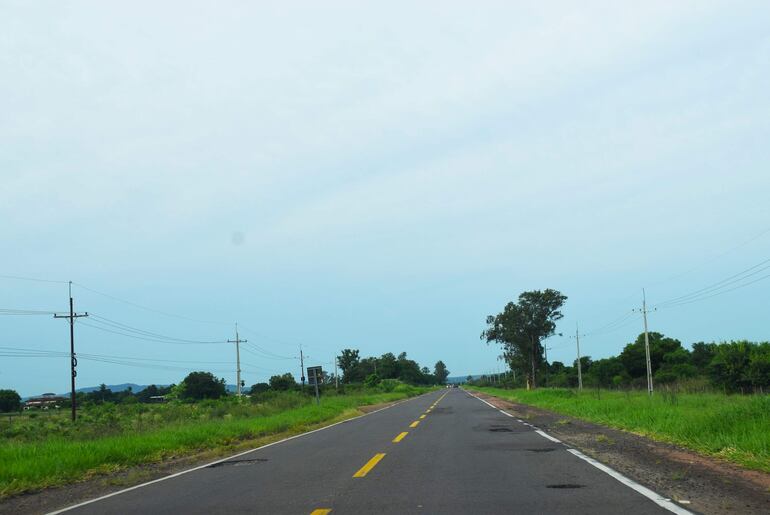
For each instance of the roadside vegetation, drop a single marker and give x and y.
(117, 430)
(711, 397)
(732, 427)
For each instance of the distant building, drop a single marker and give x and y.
(45, 401)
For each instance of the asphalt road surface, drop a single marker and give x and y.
(441, 453)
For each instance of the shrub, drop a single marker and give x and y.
(372, 380)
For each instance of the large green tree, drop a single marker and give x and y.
(9, 401)
(634, 355)
(522, 326)
(348, 362)
(441, 372)
(202, 385)
(283, 382)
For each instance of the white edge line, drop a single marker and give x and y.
(546, 435)
(177, 474)
(654, 497)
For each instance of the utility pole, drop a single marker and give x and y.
(301, 366)
(237, 343)
(73, 360)
(647, 343)
(336, 377)
(579, 367)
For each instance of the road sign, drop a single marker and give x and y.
(314, 374)
(315, 377)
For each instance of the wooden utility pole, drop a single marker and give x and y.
(73, 359)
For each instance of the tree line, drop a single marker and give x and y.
(521, 328)
(388, 366)
(201, 385)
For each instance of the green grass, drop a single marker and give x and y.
(42, 451)
(736, 428)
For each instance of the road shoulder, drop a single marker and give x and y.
(711, 486)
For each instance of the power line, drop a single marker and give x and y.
(139, 336)
(269, 338)
(145, 308)
(12, 312)
(268, 354)
(715, 258)
(259, 355)
(142, 332)
(613, 325)
(32, 279)
(718, 293)
(714, 288)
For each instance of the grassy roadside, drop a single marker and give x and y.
(735, 428)
(35, 460)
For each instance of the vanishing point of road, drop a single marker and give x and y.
(445, 452)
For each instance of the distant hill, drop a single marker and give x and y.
(136, 388)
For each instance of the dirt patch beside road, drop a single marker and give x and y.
(711, 486)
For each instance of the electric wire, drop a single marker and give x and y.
(156, 340)
(612, 326)
(720, 287)
(33, 279)
(266, 353)
(142, 332)
(24, 312)
(145, 308)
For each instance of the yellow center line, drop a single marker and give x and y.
(321, 511)
(369, 465)
(414, 424)
(422, 417)
(400, 437)
(428, 410)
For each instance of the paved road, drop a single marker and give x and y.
(456, 455)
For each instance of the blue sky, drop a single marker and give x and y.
(376, 177)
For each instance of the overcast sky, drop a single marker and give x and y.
(378, 177)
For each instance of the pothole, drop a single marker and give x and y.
(547, 449)
(501, 429)
(237, 463)
(565, 485)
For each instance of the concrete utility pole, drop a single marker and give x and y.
(237, 343)
(579, 367)
(301, 366)
(73, 360)
(647, 343)
(336, 377)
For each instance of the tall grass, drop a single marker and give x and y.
(109, 438)
(736, 428)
